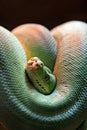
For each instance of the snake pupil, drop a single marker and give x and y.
(47, 77)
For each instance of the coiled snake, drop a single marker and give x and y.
(31, 97)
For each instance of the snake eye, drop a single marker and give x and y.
(47, 77)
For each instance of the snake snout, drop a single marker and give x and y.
(34, 63)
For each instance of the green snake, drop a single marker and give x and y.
(43, 77)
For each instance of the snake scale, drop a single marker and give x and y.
(62, 53)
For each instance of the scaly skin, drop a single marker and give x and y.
(21, 105)
(40, 76)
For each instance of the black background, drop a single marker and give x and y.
(46, 12)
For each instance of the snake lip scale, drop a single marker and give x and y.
(43, 77)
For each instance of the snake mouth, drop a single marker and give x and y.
(34, 63)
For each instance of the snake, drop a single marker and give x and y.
(43, 77)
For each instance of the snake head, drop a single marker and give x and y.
(40, 75)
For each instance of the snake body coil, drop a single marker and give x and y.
(21, 105)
